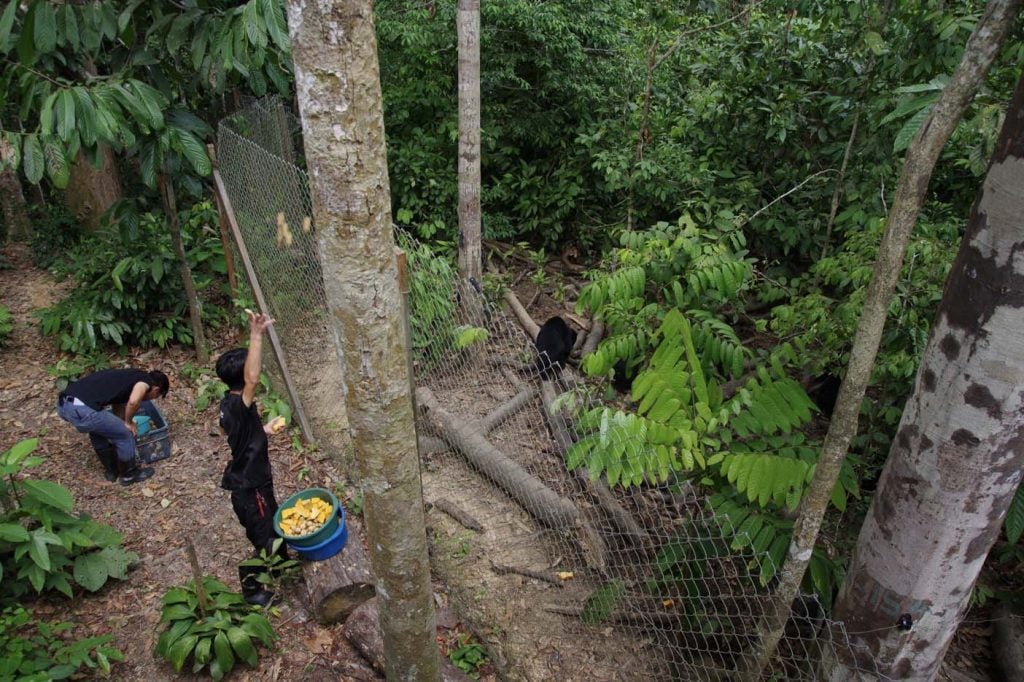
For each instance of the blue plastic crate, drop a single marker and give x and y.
(156, 444)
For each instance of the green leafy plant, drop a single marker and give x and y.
(45, 546)
(6, 325)
(55, 232)
(276, 570)
(70, 367)
(213, 626)
(36, 651)
(129, 290)
(468, 655)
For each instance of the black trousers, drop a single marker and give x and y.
(255, 508)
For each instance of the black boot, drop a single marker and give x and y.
(108, 458)
(252, 591)
(131, 472)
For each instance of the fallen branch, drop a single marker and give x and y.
(429, 445)
(451, 510)
(507, 409)
(536, 575)
(525, 321)
(544, 504)
(335, 587)
(593, 338)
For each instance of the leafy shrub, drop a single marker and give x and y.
(214, 635)
(70, 368)
(129, 289)
(6, 324)
(44, 546)
(55, 233)
(36, 652)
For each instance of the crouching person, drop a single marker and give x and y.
(112, 432)
(248, 475)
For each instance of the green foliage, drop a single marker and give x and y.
(227, 631)
(276, 571)
(602, 602)
(70, 368)
(36, 651)
(6, 325)
(1014, 521)
(129, 289)
(44, 546)
(54, 232)
(468, 656)
(670, 265)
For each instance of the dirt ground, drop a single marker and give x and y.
(182, 501)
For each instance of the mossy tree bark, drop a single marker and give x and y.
(979, 53)
(337, 77)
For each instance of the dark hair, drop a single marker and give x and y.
(159, 380)
(231, 368)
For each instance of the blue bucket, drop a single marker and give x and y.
(329, 547)
(141, 424)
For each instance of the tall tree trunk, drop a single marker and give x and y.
(959, 451)
(91, 191)
(982, 48)
(171, 208)
(15, 210)
(468, 24)
(334, 51)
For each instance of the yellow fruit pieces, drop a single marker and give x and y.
(305, 517)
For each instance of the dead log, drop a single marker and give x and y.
(544, 504)
(525, 321)
(363, 629)
(564, 436)
(456, 513)
(593, 338)
(430, 446)
(335, 587)
(509, 408)
(528, 573)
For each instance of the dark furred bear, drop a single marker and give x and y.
(554, 343)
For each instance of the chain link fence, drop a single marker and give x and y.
(560, 576)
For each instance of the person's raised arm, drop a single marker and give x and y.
(254, 358)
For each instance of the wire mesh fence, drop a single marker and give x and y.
(563, 577)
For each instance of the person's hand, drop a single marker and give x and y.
(275, 425)
(258, 322)
(131, 427)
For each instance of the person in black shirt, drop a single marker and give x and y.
(248, 474)
(112, 432)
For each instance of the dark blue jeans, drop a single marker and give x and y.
(104, 428)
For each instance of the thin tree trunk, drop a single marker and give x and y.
(468, 22)
(337, 78)
(15, 210)
(91, 191)
(959, 452)
(980, 52)
(171, 208)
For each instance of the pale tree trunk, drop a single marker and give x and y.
(194, 315)
(981, 50)
(959, 451)
(15, 210)
(337, 79)
(468, 23)
(91, 191)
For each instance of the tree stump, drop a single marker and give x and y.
(337, 586)
(363, 629)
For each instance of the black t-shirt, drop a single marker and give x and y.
(250, 464)
(107, 387)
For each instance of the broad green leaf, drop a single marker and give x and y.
(65, 106)
(6, 23)
(194, 150)
(242, 645)
(906, 134)
(49, 493)
(57, 166)
(13, 532)
(222, 652)
(45, 28)
(21, 450)
(32, 159)
(1015, 516)
(90, 571)
(39, 551)
(179, 651)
